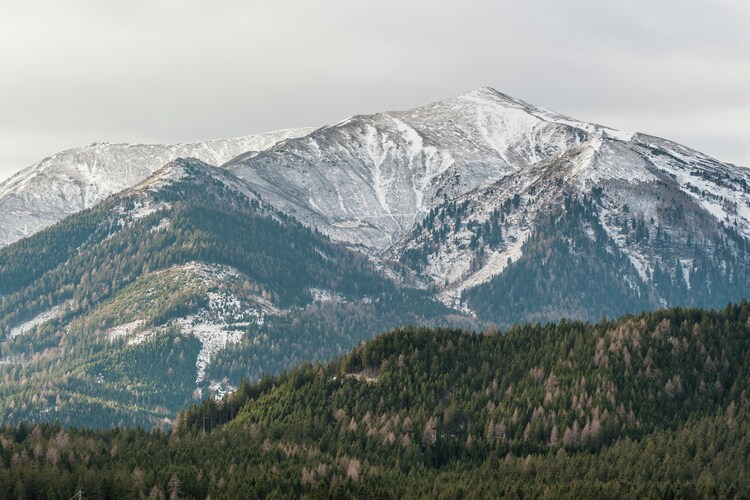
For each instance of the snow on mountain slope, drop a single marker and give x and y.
(79, 178)
(222, 323)
(367, 180)
(372, 182)
(659, 203)
(39, 319)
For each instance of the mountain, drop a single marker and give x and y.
(648, 406)
(376, 183)
(651, 222)
(368, 180)
(474, 211)
(74, 180)
(471, 194)
(178, 287)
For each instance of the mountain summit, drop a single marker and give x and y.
(454, 190)
(369, 179)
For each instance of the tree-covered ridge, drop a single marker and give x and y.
(654, 405)
(208, 220)
(322, 331)
(77, 369)
(132, 267)
(571, 385)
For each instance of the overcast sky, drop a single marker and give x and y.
(80, 71)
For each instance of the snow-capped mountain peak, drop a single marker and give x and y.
(369, 179)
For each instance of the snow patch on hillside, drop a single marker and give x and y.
(221, 389)
(124, 330)
(142, 337)
(322, 296)
(223, 323)
(213, 338)
(607, 215)
(39, 319)
(496, 264)
(686, 265)
(146, 208)
(226, 319)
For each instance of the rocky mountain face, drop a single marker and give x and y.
(454, 190)
(674, 224)
(76, 179)
(368, 180)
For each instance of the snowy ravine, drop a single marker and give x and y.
(76, 179)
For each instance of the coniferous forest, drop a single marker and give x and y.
(654, 405)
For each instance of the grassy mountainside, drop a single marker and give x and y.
(650, 406)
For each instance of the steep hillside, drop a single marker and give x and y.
(74, 180)
(671, 226)
(189, 281)
(368, 180)
(481, 203)
(461, 189)
(652, 406)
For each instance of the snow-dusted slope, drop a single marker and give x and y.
(367, 180)
(225, 320)
(370, 181)
(79, 178)
(685, 200)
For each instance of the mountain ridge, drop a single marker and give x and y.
(370, 181)
(418, 154)
(173, 290)
(78, 178)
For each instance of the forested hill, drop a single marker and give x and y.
(128, 312)
(647, 406)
